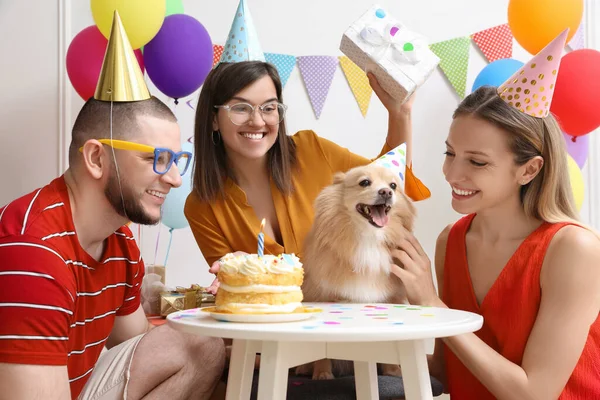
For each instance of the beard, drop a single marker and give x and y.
(129, 206)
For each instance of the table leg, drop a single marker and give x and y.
(241, 369)
(415, 373)
(365, 378)
(273, 376)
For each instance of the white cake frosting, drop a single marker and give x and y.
(259, 288)
(248, 308)
(252, 264)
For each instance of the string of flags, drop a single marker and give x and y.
(317, 72)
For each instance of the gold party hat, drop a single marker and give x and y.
(121, 78)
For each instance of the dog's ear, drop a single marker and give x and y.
(339, 177)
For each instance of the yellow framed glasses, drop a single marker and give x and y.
(163, 158)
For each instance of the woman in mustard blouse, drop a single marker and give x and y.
(247, 168)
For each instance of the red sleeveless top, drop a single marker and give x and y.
(509, 311)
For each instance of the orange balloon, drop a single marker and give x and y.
(534, 23)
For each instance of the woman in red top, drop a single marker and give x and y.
(519, 258)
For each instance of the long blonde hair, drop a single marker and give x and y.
(548, 197)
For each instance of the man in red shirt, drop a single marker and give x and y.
(70, 270)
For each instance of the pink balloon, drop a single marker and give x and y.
(578, 148)
(84, 60)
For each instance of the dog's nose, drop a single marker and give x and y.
(385, 193)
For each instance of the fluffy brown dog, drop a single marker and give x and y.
(358, 220)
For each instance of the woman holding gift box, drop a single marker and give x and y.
(247, 168)
(519, 257)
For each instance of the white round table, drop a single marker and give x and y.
(363, 333)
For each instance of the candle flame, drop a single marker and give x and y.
(262, 224)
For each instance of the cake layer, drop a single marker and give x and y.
(252, 264)
(293, 278)
(245, 308)
(259, 288)
(224, 298)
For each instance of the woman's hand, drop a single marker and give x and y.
(394, 107)
(214, 269)
(414, 270)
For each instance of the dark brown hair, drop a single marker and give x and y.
(93, 121)
(548, 197)
(210, 162)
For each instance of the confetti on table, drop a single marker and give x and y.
(331, 323)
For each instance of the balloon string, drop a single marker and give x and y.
(168, 246)
(158, 237)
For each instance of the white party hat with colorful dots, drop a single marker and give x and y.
(530, 89)
(395, 160)
(242, 43)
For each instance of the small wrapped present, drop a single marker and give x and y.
(184, 298)
(399, 58)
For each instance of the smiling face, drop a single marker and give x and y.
(143, 190)
(479, 165)
(370, 193)
(254, 139)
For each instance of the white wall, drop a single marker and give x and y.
(33, 106)
(29, 96)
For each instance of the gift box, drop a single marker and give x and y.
(184, 298)
(399, 58)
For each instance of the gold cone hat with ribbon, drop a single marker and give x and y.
(530, 89)
(121, 78)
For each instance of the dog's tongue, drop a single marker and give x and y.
(379, 216)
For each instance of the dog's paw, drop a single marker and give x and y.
(391, 370)
(322, 375)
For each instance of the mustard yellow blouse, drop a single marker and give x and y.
(229, 224)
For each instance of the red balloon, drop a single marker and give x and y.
(84, 60)
(576, 100)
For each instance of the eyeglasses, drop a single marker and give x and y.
(163, 158)
(241, 113)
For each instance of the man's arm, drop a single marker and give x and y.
(34, 382)
(128, 326)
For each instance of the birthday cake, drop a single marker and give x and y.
(250, 284)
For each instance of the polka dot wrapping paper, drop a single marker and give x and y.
(398, 57)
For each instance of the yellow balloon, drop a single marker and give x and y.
(141, 19)
(576, 178)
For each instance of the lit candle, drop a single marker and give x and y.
(261, 239)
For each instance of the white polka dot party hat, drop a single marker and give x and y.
(242, 43)
(530, 89)
(395, 160)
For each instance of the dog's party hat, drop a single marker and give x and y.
(121, 78)
(530, 89)
(242, 43)
(395, 160)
